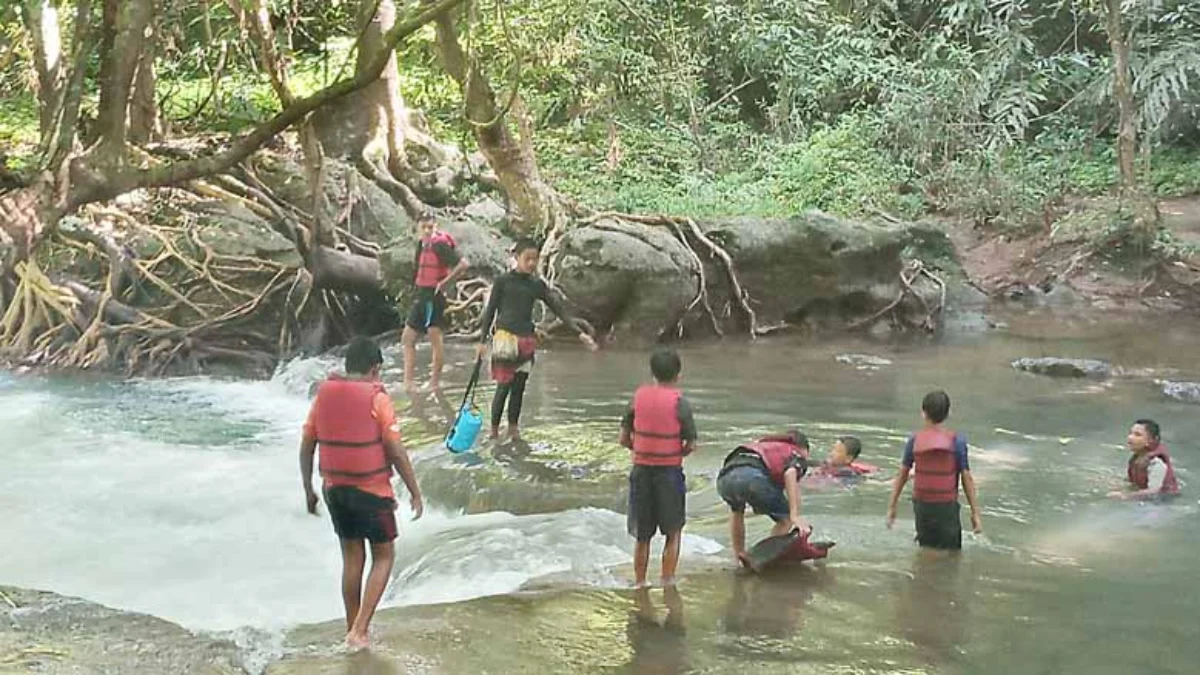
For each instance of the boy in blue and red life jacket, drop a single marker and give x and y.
(765, 475)
(437, 263)
(353, 423)
(660, 430)
(940, 458)
(841, 464)
(1150, 470)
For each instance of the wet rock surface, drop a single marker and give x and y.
(1052, 366)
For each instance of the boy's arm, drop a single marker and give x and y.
(626, 437)
(308, 448)
(450, 255)
(550, 297)
(791, 484)
(1157, 474)
(398, 457)
(687, 425)
(897, 487)
(968, 483)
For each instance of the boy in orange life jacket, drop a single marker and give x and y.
(940, 456)
(437, 263)
(1150, 470)
(766, 476)
(354, 423)
(660, 430)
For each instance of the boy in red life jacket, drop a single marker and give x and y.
(1150, 470)
(940, 456)
(660, 431)
(354, 424)
(842, 462)
(765, 475)
(437, 263)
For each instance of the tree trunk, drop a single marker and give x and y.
(538, 207)
(41, 24)
(126, 22)
(342, 271)
(1123, 91)
(144, 123)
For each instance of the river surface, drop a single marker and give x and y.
(180, 498)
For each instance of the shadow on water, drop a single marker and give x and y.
(931, 611)
(658, 643)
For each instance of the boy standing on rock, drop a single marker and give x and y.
(660, 431)
(437, 263)
(354, 423)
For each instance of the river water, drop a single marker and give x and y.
(179, 498)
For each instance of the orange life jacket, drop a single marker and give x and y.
(936, 465)
(348, 435)
(775, 451)
(656, 426)
(430, 269)
(1139, 470)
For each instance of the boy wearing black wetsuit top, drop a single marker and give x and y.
(510, 306)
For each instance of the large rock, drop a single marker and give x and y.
(1060, 367)
(626, 277)
(812, 267)
(1188, 392)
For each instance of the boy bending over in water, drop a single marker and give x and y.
(354, 424)
(765, 475)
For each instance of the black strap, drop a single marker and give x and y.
(470, 392)
(350, 444)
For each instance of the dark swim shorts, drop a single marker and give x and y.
(359, 515)
(748, 485)
(428, 311)
(938, 525)
(657, 501)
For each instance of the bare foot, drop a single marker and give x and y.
(357, 641)
(435, 385)
(514, 433)
(495, 434)
(410, 387)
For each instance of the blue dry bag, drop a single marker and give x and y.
(469, 421)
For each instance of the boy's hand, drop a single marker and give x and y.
(587, 340)
(480, 350)
(1116, 494)
(976, 524)
(802, 525)
(418, 506)
(312, 500)
(891, 517)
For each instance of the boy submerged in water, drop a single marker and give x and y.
(1150, 470)
(764, 475)
(660, 430)
(940, 457)
(841, 464)
(354, 424)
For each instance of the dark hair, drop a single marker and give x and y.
(798, 438)
(427, 218)
(1151, 427)
(936, 406)
(665, 364)
(525, 244)
(852, 444)
(362, 354)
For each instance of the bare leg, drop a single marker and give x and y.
(354, 558)
(781, 527)
(670, 558)
(382, 557)
(737, 535)
(409, 340)
(641, 560)
(439, 357)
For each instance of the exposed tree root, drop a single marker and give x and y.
(931, 315)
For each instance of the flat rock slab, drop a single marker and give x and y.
(1059, 367)
(1188, 392)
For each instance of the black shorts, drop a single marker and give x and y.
(359, 515)
(657, 501)
(938, 525)
(744, 486)
(428, 311)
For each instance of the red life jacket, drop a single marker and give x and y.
(430, 269)
(775, 451)
(351, 447)
(937, 467)
(852, 470)
(1139, 470)
(656, 427)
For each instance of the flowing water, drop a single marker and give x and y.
(179, 498)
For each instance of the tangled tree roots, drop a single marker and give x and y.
(930, 315)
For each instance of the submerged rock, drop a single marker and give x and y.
(1188, 392)
(863, 361)
(47, 633)
(1059, 367)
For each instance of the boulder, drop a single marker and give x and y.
(1060, 367)
(1188, 392)
(632, 279)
